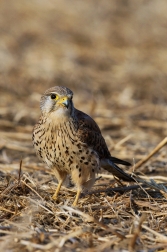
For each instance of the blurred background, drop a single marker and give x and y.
(112, 54)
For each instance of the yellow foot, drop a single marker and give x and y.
(77, 197)
(74, 203)
(55, 197)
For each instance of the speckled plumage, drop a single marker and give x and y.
(70, 142)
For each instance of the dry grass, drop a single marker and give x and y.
(113, 56)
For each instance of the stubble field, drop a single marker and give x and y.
(113, 56)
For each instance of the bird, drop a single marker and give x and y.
(70, 142)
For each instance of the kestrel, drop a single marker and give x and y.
(70, 142)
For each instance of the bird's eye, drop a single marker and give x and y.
(53, 96)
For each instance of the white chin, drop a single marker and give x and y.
(61, 112)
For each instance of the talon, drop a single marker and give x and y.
(77, 197)
(55, 195)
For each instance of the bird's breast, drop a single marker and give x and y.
(59, 147)
(53, 143)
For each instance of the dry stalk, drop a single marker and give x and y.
(155, 150)
(136, 233)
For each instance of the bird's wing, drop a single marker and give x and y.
(89, 133)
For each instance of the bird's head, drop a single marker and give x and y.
(57, 100)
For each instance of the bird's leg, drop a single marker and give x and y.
(55, 195)
(79, 190)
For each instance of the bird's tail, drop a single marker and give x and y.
(110, 166)
(119, 161)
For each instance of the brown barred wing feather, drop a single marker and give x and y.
(89, 133)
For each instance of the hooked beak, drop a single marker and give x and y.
(64, 101)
